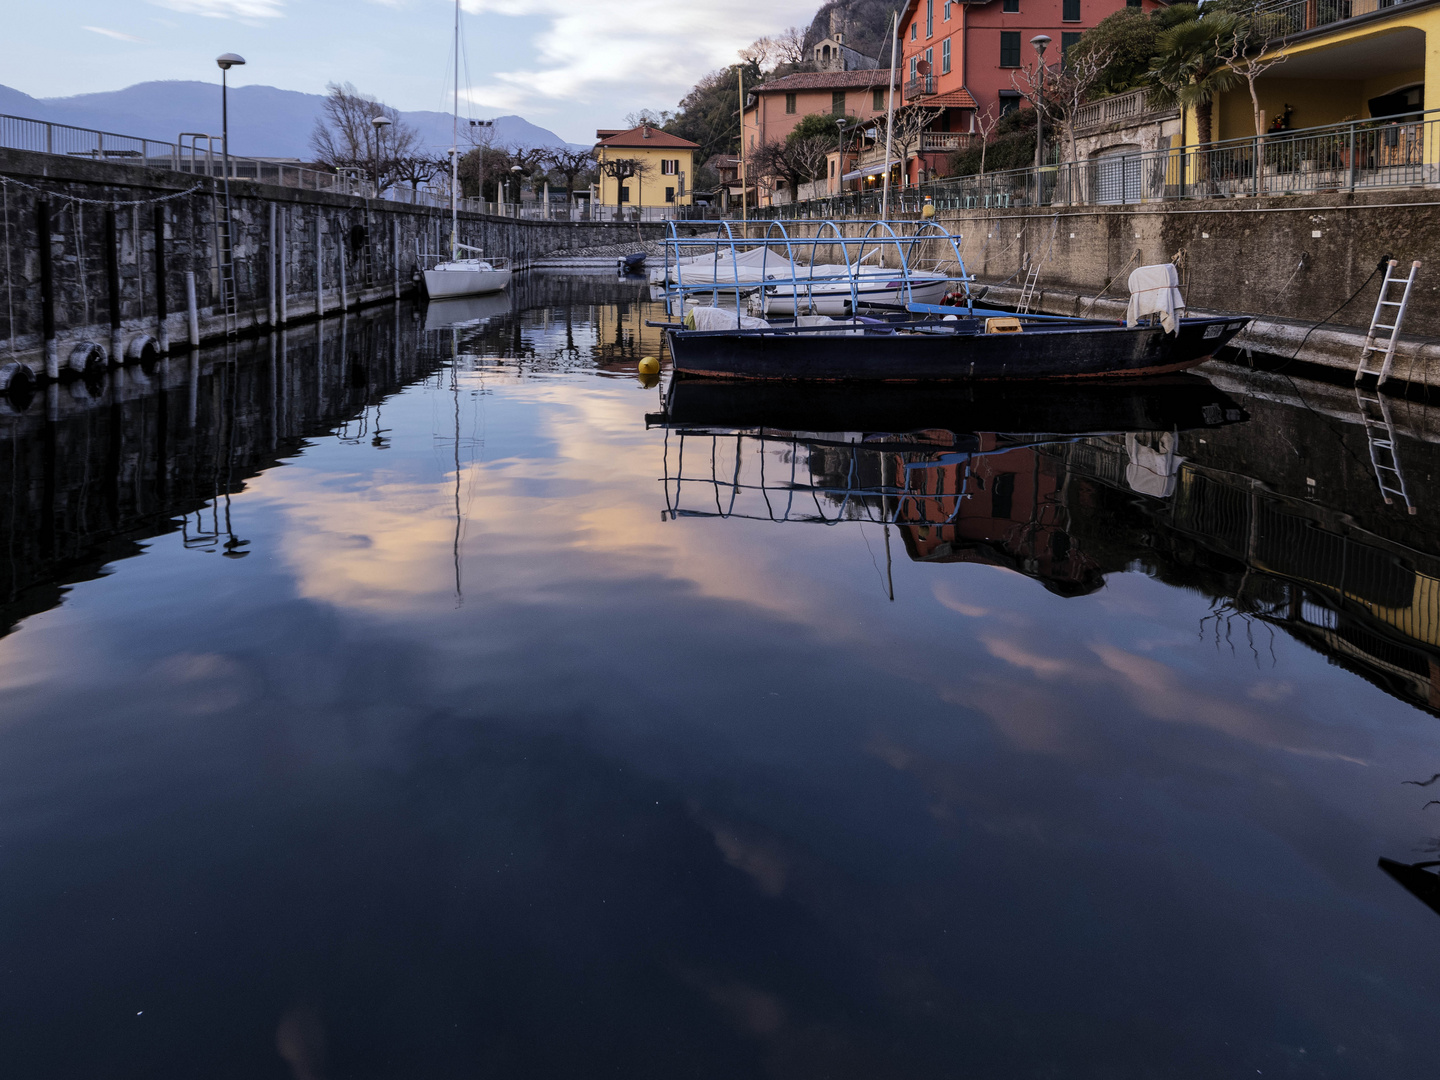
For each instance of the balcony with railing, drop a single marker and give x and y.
(1121, 107)
(1288, 17)
(944, 141)
(920, 86)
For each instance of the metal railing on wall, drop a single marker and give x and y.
(200, 155)
(1358, 155)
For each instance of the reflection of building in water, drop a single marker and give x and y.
(91, 471)
(560, 323)
(1216, 510)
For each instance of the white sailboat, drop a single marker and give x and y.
(467, 272)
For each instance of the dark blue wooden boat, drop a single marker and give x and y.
(926, 349)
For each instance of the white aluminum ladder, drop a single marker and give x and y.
(1384, 456)
(1027, 294)
(1387, 306)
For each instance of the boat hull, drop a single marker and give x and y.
(442, 283)
(833, 299)
(1062, 352)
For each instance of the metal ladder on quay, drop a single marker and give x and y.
(1027, 294)
(225, 262)
(1374, 342)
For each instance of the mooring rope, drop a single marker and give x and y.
(6, 181)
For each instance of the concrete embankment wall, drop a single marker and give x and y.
(297, 254)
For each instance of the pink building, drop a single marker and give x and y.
(975, 48)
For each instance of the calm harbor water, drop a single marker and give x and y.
(405, 698)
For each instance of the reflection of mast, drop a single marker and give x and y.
(455, 394)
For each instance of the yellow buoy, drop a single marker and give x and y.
(649, 366)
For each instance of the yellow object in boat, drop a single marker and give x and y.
(1003, 324)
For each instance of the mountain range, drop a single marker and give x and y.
(264, 121)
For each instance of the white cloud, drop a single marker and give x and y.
(244, 10)
(117, 35)
(635, 54)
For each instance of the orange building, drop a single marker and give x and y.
(773, 109)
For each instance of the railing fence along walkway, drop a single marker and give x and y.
(1391, 152)
(201, 154)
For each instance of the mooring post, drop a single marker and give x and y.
(191, 309)
(285, 268)
(319, 270)
(395, 255)
(162, 311)
(112, 283)
(271, 276)
(340, 255)
(47, 288)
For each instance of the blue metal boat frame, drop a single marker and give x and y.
(775, 232)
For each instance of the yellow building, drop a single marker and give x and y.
(1344, 61)
(644, 167)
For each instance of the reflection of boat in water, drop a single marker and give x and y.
(1417, 879)
(933, 465)
(1175, 401)
(464, 311)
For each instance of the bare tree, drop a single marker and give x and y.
(417, 169)
(1254, 47)
(797, 160)
(911, 121)
(985, 123)
(622, 169)
(344, 136)
(649, 116)
(759, 52)
(569, 164)
(790, 46)
(1064, 88)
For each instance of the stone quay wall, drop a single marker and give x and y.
(121, 241)
(1289, 261)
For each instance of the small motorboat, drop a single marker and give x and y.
(631, 264)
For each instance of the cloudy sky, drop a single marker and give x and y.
(569, 67)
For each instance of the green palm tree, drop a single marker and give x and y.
(1190, 64)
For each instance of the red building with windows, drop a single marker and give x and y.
(974, 48)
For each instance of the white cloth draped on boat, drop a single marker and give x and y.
(1155, 290)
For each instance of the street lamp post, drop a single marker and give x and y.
(517, 170)
(840, 124)
(1040, 41)
(379, 123)
(226, 62)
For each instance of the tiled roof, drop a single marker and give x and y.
(951, 99)
(656, 138)
(826, 80)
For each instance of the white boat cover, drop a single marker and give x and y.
(714, 318)
(1155, 290)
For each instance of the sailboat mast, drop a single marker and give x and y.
(890, 123)
(455, 148)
